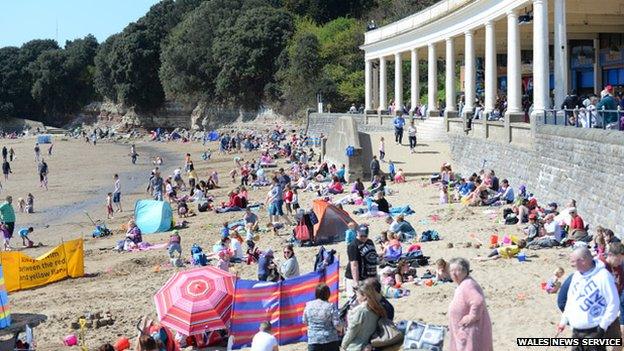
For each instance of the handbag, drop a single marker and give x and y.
(302, 233)
(387, 334)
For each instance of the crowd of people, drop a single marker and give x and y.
(378, 269)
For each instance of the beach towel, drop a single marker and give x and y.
(404, 210)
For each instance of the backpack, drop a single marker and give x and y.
(350, 151)
(511, 219)
(198, 256)
(429, 235)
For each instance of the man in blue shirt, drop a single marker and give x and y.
(399, 123)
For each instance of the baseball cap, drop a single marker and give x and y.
(362, 230)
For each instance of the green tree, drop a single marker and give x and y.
(14, 92)
(50, 88)
(127, 65)
(322, 11)
(247, 52)
(188, 65)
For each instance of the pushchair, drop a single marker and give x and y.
(100, 228)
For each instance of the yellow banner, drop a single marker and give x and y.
(24, 272)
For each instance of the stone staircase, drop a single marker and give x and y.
(431, 129)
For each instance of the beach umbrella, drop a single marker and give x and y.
(197, 300)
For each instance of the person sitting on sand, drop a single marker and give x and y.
(554, 283)
(382, 203)
(508, 251)
(251, 219)
(400, 176)
(392, 249)
(401, 227)
(134, 233)
(443, 274)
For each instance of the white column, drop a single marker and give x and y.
(514, 75)
(368, 86)
(469, 72)
(432, 80)
(540, 56)
(490, 67)
(451, 104)
(383, 96)
(597, 68)
(561, 54)
(415, 80)
(398, 82)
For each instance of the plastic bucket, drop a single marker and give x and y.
(521, 257)
(493, 240)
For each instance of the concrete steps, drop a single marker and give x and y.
(431, 129)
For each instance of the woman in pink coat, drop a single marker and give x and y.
(469, 321)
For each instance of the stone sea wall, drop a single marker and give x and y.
(558, 164)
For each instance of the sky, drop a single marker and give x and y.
(24, 20)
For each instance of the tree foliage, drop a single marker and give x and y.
(247, 52)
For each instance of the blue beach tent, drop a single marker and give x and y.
(153, 216)
(44, 139)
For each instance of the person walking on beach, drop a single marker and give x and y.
(4, 153)
(133, 154)
(11, 154)
(6, 169)
(37, 152)
(399, 123)
(117, 193)
(411, 134)
(109, 205)
(592, 302)
(43, 174)
(157, 185)
(7, 215)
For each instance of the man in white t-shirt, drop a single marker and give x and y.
(263, 340)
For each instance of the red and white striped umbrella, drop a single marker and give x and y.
(197, 300)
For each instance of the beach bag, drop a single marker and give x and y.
(387, 334)
(507, 212)
(202, 207)
(420, 336)
(302, 233)
(511, 219)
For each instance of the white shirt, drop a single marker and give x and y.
(263, 341)
(411, 131)
(117, 186)
(237, 248)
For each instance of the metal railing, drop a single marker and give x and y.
(586, 118)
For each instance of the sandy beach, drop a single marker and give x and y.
(124, 283)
